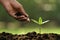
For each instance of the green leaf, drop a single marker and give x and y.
(34, 21)
(40, 20)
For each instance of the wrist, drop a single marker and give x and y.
(0, 1)
(3, 1)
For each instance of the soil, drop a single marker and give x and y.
(29, 36)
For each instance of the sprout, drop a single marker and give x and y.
(40, 21)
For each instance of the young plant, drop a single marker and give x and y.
(40, 22)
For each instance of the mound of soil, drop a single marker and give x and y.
(29, 36)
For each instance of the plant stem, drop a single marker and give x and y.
(40, 29)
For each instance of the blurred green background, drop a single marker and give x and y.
(47, 9)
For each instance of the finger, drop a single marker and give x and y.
(22, 19)
(9, 9)
(19, 7)
(22, 16)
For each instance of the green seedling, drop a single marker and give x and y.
(40, 22)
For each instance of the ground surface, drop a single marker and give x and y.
(29, 36)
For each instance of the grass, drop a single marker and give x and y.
(51, 28)
(26, 30)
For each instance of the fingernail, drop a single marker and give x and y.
(28, 19)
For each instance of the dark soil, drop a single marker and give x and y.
(29, 36)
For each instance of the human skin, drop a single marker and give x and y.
(13, 7)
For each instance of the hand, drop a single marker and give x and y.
(15, 9)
